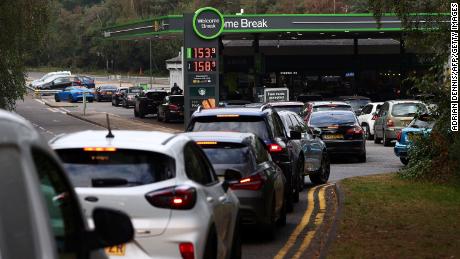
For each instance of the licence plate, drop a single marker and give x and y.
(109, 92)
(333, 136)
(118, 250)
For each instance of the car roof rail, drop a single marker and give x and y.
(265, 106)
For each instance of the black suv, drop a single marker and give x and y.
(263, 121)
(148, 102)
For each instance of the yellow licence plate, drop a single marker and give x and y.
(413, 137)
(333, 136)
(109, 92)
(118, 250)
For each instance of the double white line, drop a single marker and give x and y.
(306, 218)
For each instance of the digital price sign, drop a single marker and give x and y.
(203, 52)
(201, 66)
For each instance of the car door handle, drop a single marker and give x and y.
(91, 199)
(210, 199)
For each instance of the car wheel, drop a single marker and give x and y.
(404, 160)
(90, 100)
(141, 114)
(362, 157)
(136, 114)
(166, 117)
(299, 172)
(282, 218)
(97, 98)
(366, 131)
(113, 104)
(322, 175)
(158, 116)
(236, 244)
(124, 104)
(210, 250)
(386, 142)
(289, 198)
(269, 229)
(56, 98)
(377, 140)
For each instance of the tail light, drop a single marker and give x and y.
(78, 82)
(187, 251)
(390, 123)
(274, 148)
(252, 183)
(355, 131)
(374, 117)
(173, 107)
(176, 197)
(398, 136)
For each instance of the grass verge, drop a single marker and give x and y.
(385, 216)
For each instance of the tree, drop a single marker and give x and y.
(22, 23)
(436, 157)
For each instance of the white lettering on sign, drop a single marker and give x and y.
(245, 24)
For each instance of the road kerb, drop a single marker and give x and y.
(300, 227)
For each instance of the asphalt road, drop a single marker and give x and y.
(50, 122)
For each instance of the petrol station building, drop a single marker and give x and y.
(310, 54)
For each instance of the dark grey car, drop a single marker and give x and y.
(309, 147)
(260, 183)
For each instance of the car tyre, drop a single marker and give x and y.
(166, 118)
(404, 160)
(322, 175)
(362, 157)
(210, 250)
(236, 252)
(282, 218)
(56, 98)
(136, 114)
(124, 104)
(367, 130)
(377, 140)
(289, 199)
(386, 142)
(97, 98)
(269, 229)
(158, 116)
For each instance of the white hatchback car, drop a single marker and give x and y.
(178, 206)
(49, 77)
(367, 118)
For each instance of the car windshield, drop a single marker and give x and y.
(421, 124)
(250, 124)
(407, 109)
(357, 104)
(177, 100)
(120, 168)
(134, 90)
(331, 107)
(227, 154)
(108, 88)
(291, 108)
(328, 119)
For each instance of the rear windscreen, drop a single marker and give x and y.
(177, 100)
(244, 124)
(291, 108)
(331, 107)
(407, 109)
(157, 96)
(120, 168)
(223, 153)
(328, 119)
(358, 103)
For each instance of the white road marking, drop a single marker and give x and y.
(40, 101)
(52, 109)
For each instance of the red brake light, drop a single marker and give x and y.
(390, 123)
(173, 107)
(355, 131)
(99, 149)
(176, 197)
(274, 148)
(252, 183)
(187, 251)
(375, 117)
(398, 136)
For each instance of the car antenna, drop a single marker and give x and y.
(110, 135)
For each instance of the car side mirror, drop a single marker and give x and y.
(295, 134)
(111, 227)
(231, 176)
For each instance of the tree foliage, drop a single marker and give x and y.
(436, 157)
(22, 23)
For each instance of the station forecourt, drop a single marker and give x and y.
(325, 55)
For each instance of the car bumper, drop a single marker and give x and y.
(105, 97)
(80, 97)
(253, 207)
(176, 115)
(391, 133)
(130, 102)
(401, 150)
(345, 146)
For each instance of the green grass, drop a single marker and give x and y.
(388, 217)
